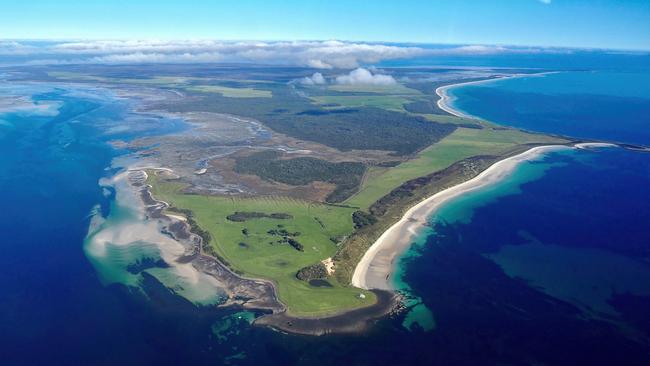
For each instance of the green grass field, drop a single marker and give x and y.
(368, 88)
(389, 102)
(390, 97)
(317, 223)
(169, 82)
(232, 92)
(461, 144)
(166, 81)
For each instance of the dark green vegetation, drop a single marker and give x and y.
(423, 107)
(362, 128)
(470, 166)
(312, 272)
(389, 164)
(362, 219)
(244, 216)
(299, 171)
(286, 237)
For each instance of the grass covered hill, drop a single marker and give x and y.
(272, 238)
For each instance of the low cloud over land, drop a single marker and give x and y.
(363, 76)
(316, 79)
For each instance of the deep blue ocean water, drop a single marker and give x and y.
(554, 261)
(574, 59)
(559, 252)
(606, 105)
(551, 266)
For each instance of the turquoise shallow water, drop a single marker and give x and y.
(58, 305)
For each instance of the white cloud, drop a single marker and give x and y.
(318, 64)
(545, 1)
(364, 76)
(316, 79)
(479, 49)
(15, 48)
(141, 57)
(314, 54)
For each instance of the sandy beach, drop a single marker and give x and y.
(445, 100)
(130, 233)
(377, 265)
(594, 145)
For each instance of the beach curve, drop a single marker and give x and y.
(446, 99)
(375, 268)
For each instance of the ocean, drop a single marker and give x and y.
(560, 246)
(549, 266)
(552, 261)
(604, 105)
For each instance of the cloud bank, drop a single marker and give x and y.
(313, 54)
(364, 76)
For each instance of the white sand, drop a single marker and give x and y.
(594, 145)
(329, 265)
(177, 217)
(376, 266)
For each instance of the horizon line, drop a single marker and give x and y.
(403, 43)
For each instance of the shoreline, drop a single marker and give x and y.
(445, 100)
(376, 267)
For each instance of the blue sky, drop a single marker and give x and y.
(568, 23)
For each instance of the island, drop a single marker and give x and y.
(297, 191)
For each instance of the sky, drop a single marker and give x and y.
(612, 24)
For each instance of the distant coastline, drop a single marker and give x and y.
(446, 100)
